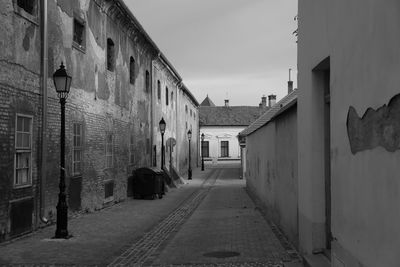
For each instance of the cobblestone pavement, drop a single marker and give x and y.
(142, 250)
(218, 226)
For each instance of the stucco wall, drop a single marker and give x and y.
(271, 170)
(364, 64)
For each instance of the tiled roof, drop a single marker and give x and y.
(228, 116)
(275, 110)
(207, 102)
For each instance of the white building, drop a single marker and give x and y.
(221, 126)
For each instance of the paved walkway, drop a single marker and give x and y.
(210, 221)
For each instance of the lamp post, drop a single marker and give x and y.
(162, 125)
(202, 152)
(189, 133)
(62, 83)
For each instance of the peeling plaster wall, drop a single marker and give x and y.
(365, 62)
(162, 110)
(106, 100)
(184, 118)
(101, 100)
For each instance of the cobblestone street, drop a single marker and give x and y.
(210, 221)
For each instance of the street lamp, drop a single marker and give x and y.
(189, 133)
(202, 152)
(162, 125)
(62, 83)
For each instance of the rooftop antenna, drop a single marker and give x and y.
(290, 70)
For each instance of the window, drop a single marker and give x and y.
(190, 113)
(186, 125)
(166, 96)
(159, 90)
(28, 5)
(109, 150)
(132, 150)
(110, 55)
(79, 33)
(186, 109)
(23, 150)
(172, 99)
(77, 149)
(147, 81)
(132, 70)
(205, 149)
(224, 149)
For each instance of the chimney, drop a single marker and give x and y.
(290, 83)
(271, 100)
(226, 102)
(264, 101)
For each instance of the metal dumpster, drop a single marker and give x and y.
(148, 182)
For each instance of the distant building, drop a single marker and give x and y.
(221, 125)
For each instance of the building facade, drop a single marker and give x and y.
(220, 126)
(112, 111)
(348, 132)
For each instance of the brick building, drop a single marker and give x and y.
(122, 85)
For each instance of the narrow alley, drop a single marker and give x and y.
(210, 221)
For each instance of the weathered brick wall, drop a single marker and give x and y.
(102, 101)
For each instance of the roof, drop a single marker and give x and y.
(228, 116)
(207, 102)
(184, 88)
(277, 109)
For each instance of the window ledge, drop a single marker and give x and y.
(22, 186)
(79, 47)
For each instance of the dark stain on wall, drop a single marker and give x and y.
(103, 91)
(29, 33)
(379, 127)
(96, 23)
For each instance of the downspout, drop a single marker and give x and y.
(44, 74)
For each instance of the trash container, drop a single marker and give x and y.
(148, 182)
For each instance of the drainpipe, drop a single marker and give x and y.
(44, 73)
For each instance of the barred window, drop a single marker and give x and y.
(109, 150)
(77, 149)
(23, 150)
(79, 33)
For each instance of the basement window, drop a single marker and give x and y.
(110, 55)
(79, 34)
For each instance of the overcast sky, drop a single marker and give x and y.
(235, 49)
